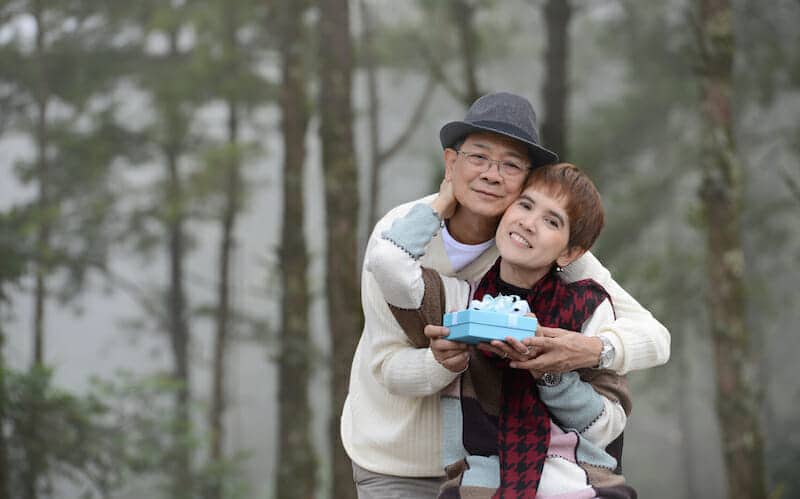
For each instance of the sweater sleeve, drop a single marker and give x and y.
(394, 257)
(639, 339)
(394, 277)
(575, 404)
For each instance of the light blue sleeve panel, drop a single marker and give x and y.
(484, 471)
(452, 431)
(573, 402)
(413, 232)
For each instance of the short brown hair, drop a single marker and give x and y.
(584, 206)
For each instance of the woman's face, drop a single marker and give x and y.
(534, 233)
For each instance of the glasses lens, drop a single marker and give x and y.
(478, 160)
(483, 162)
(511, 169)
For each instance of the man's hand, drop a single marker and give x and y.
(514, 350)
(559, 350)
(452, 355)
(511, 349)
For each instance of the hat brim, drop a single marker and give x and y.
(455, 130)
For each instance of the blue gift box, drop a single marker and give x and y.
(474, 326)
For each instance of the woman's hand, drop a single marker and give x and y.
(452, 355)
(558, 351)
(511, 349)
(516, 351)
(445, 202)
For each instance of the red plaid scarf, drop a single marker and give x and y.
(524, 423)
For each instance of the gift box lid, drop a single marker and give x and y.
(475, 326)
(492, 318)
(498, 319)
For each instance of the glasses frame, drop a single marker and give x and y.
(472, 156)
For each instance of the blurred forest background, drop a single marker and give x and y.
(186, 186)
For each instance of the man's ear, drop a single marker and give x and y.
(450, 157)
(569, 255)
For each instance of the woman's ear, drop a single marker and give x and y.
(569, 255)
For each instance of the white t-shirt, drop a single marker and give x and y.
(461, 254)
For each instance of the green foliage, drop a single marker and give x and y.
(189, 63)
(228, 49)
(205, 185)
(110, 440)
(430, 36)
(59, 95)
(15, 248)
(655, 89)
(766, 45)
(60, 435)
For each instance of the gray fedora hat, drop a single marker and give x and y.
(503, 113)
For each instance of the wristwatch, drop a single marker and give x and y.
(607, 354)
(550, 379)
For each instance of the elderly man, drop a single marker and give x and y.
(391, 425)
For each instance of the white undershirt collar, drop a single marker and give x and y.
(460, 254)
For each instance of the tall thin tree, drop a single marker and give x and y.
(379, 155)
(43, 232)
(232, 194)
(464, 19)
(178, 309)
(296, 460)
(555, 94)
(67, 168)
(44, 200)
(341, 203)
(4, 468)
(721, 195)
(168, 77)
(12, 265)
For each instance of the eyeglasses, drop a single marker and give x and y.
(508, 168)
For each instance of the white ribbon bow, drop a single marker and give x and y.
(512, 305)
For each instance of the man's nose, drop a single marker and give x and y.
(492, 173)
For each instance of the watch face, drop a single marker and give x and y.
(551, 379)
(607, 354)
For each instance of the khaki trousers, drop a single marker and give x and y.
(377, 486)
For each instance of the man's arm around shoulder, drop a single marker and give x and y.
(644, 340)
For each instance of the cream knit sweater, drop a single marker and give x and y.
(391, 422)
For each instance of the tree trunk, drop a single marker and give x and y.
(177, 313)
(682, 353)
(557, 15)
(341, 203)
(464, 13)
(4, 469)
(44, 202)
(373, 113)
(378, 155)
(33, 458)
(737, 401)
(233, 183)
(296, 461)
(178, 327)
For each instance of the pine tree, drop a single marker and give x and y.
(557, 16)
(297, 462)
(721, 194)
(57, 81)
(225, 59)
(341, 207)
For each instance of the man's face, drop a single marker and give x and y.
(485, 193)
